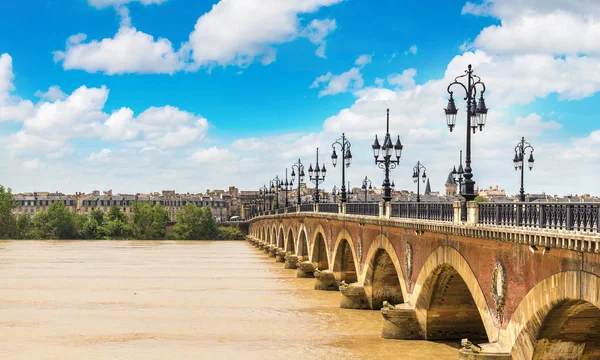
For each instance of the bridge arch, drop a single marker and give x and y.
(558, 318)
(382, 275)
(281, 237)
(319, 252)
(302, 246)
(449, 302)
(344, 260)
(274, 234)
(290, 247)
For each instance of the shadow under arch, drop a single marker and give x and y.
(448, 300)
(559, 318)
(344, 259)
(274, 235)
(281, 237)
(319, 254)
(302, 244)
(382, 275)
(290, 247)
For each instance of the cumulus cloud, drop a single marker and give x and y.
(404, 80)
(363, 60)
(54, 93)
(129, 51)
(12, 108)
(317, 31)
(103, 155)
(411, 50)
(99, 4)
(350, 80)
(33, 164)
(211, 155)
(259, 26)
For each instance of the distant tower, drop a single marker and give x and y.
(450, 185)
(428, 188)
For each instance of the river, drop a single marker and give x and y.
(177, 300)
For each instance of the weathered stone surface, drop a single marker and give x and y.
(353, 296)
(291, 261)
(400, 322)
(491, 351)
(305, 269)
(325, 280)
(280, 256)
(267, 249)
(273, 251)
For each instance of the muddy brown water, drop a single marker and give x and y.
(177, 300)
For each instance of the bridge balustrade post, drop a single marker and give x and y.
(316, 207)
(381, 213)
(388, 210)
(598, 219)
(343, 208)
(519, 214)
(542, 216)
(472, 213)
(297, 208)
(457, 210)
(569, 218)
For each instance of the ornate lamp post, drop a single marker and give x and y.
(366, 188)
(416, 175)
(345, 146)
(263, 191)
(300, 168)
(520, 152)
(476, 117)
(387, 163)
(334, 193)
(317, 176)
(458, 175)
(287, 186)
(275, 185)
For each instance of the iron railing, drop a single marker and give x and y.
(329, 208)
(561, 216)
(307, 207)
(291, 209)
(362, 209)
(439, 211)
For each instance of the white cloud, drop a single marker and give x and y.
(317, 31)
(259, 25)
(102, 156)
(33, 164)
(211, 155)
(336, 84)
(249, 144)
(363, 60)
(169, 127)
(130, 51)
(54, 93)
(411, 50)
(99, 4)
(405, 80)
(12, 108)
(379, 81)
(120, 126)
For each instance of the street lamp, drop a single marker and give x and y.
(275, 184)
(345, 146)
(317, 176)
(416, 175)
(520, 151)
(366, 188)
(476, 117)
(300, 168)
(387, 163)
(287, 186)
(458, 175)
(262, 192)
(334, 193)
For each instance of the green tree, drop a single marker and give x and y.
(230, 233)
(116, 229)
(195, 223)
(115, 213)
(23, 226)
(209, 224)
(479, 199)
(90, 228)
(149, 222)
(98, 215)
(8, 224)
(62, 221)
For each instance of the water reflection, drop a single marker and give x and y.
(177, 300)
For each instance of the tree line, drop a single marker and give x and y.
(147, 222)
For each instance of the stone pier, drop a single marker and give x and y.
(325, 280)
(280, 257)
(400, 322)
(353, 296)
(291, 261)
(305, 269)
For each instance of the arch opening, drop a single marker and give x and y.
(451, 310)
(319, 255)
(344, 267)
(302, 246)
(384, 281)
(571, 330)
(280, 239)
(290, 247)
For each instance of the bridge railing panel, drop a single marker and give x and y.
(439, 211)
(371, 209)
(581, 217)
(291, 209)
(307, 208)
(329, 208)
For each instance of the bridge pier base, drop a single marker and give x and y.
(353, 297)
(261, 246)
(325, 280)
(487, 351)
(280, 256)
(291, 261)
(267, 249)
(273, 251)
(400, 322)
(305, 269)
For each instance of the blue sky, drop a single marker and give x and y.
(197, 94)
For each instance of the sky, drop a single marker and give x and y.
(145, 95)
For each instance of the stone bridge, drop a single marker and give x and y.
(513, 292)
